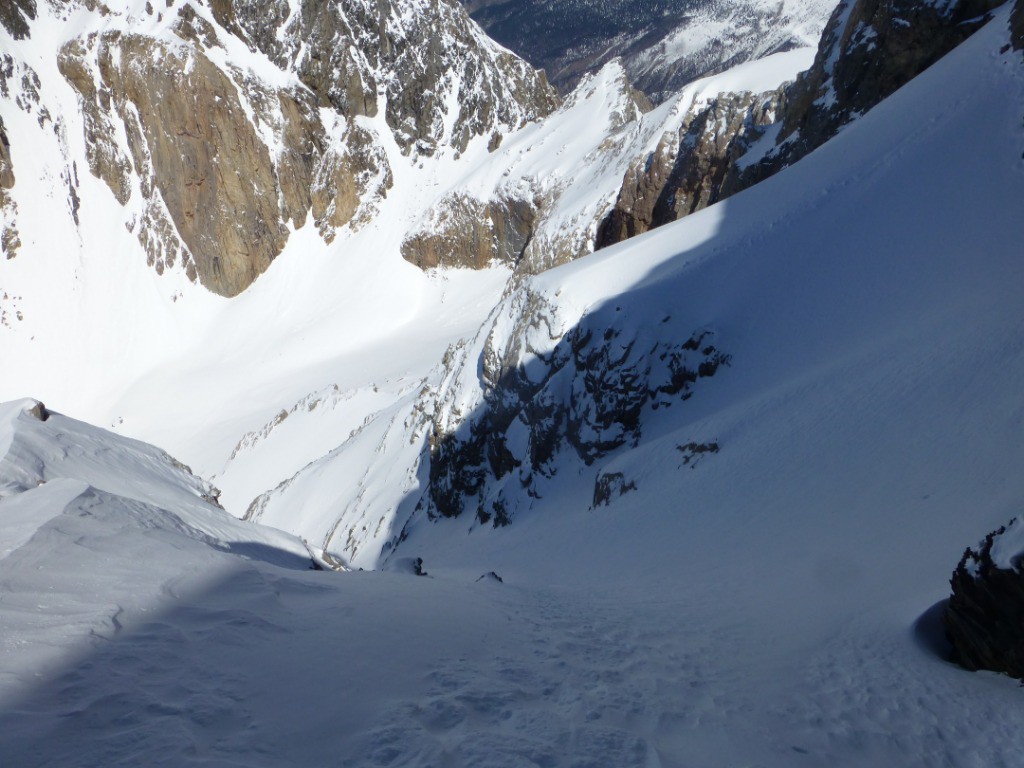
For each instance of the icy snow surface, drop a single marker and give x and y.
(765, 607)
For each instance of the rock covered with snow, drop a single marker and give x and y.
(985, 616)
(688, 169)
(542, 389)
(601, 168)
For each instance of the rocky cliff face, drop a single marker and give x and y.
(15, 16)
(195, 150)
(687, 170)
(664, 44)
(985, 616)
(220, 126)
(20, 84)
(8, 233)
(508, 209)
(868, 50)
(552, 393)
(419, 56)
(465, 232)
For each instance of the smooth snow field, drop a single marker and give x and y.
(772, 605)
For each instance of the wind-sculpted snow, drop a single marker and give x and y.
(51, 466)
(546, 391)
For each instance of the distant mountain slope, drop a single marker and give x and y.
(665, 43)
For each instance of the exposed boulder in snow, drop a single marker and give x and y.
(985, 616)
(38, 412)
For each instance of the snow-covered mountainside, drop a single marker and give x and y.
(664, 44)
(544, 196)
(218, 131)
(741, 576)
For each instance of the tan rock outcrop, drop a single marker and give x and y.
(469, 233)
(214, 162)
(9, 239)
(213, 173)
(105, 158)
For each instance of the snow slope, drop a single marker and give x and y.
(767, 605)
(343, 338)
